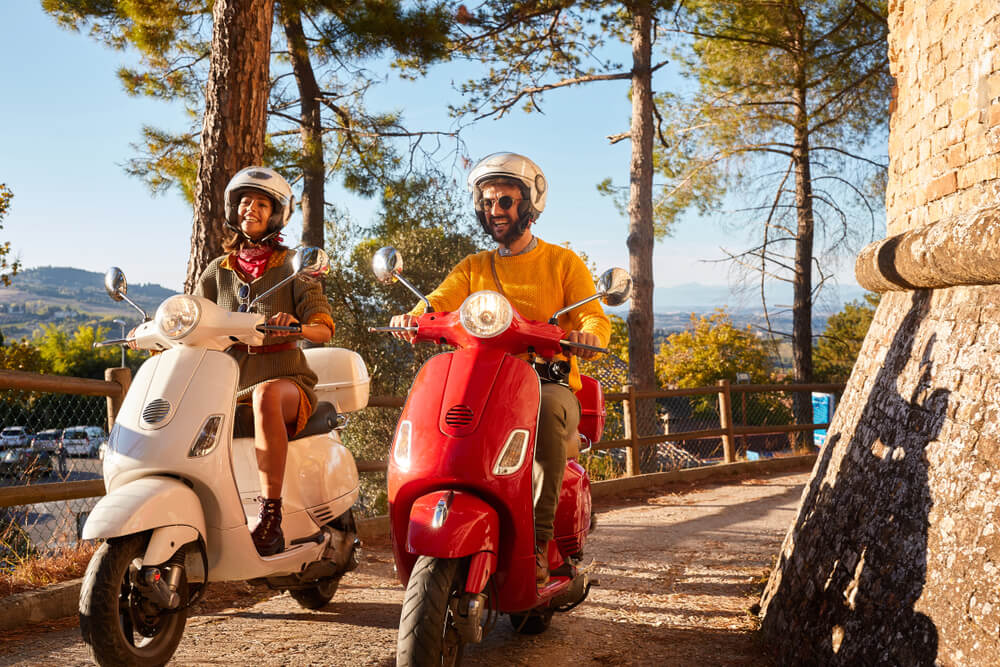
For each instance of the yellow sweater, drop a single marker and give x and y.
(538, 283)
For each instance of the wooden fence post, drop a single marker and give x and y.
(631, 432)
(726, 421)
(123, 377)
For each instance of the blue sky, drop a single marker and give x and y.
(68, 127)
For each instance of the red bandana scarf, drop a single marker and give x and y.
(253, 260)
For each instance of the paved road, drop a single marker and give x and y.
(679, 570)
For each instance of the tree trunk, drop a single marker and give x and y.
(802, 297)
(311, 162)
(232, 135)
(640, 237)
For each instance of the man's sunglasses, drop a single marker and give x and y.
(505, 202)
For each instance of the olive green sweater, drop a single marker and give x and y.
(301, 297)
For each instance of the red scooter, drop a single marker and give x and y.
(463, 482)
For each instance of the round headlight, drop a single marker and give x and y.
(486, 314)
(177, 316)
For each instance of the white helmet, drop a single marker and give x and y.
(270, 183)
(514, 167)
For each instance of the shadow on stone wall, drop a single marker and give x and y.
(845, 595)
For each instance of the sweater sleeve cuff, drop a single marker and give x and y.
(324, 319)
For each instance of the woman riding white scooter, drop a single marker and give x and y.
(274, 377)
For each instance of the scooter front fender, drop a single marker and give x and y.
(452, 524)
(146, 504)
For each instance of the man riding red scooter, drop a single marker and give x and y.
(479, 458)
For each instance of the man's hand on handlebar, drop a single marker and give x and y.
(586, 339)
(405, 320)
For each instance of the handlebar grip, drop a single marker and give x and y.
(584, 346)
(390, 329)
(294, 328)
(111, 342)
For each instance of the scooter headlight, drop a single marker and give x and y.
(486, 314)
(178, 316)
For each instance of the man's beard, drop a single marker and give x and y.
(510, 235)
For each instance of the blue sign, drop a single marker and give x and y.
(823, 407)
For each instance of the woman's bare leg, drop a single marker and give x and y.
(275, 406)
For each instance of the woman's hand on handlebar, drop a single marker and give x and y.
(283, 320)
(405, 320)
(586, 339)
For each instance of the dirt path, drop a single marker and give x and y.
(679, 569)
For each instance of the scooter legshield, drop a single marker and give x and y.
(145, 504)
(452, 524)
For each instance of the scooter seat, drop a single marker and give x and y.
(323, 420)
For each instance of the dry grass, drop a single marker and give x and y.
(31, 573)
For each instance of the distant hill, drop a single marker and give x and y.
(68, 297)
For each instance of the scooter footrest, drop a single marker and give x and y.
(564, 570)
(317, 538)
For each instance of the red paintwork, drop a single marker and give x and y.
(592, 412)
(469, 527)
(497, 393)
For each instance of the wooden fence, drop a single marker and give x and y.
(117, 382)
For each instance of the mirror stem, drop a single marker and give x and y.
(145, 317)
(559, 313)
(427, 304)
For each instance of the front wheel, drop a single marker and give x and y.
(119, 625)
(427, 632)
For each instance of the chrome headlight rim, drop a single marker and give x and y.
(486, 314)
(172, 309)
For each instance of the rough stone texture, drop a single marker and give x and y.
(894, 557)
(960, 250)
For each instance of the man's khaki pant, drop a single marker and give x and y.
(558, 418)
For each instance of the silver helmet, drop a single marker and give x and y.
(268, 182)
(518, 168)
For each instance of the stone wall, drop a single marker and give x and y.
(894, 557)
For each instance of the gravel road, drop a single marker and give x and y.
(679, 569)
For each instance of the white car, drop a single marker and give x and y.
(76, 441)
(15, 436)
(47, 440)
(95, 438)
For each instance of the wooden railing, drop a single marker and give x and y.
(118, 379)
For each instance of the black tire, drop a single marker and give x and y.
(317, 596)
(531, 624)
(427, 635)
(108, 614)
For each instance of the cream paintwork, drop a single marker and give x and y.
(154, 485)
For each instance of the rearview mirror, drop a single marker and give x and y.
(311, 261)
(386, 265)
(615, 286)
(115, 283)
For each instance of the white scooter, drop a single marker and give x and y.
(182, 481)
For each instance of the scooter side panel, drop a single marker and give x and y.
(572, 522)
(146, 503)
(466, 525)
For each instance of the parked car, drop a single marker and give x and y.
(76, 441)
(47, 440)
(15, 436)
(97, 437)
(25, 463)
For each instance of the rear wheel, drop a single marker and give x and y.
(534, 623)
(427, 632)
(119, 625)
(317, 596)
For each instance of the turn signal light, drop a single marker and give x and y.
(512, 455)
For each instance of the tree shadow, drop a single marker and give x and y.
(855, 561)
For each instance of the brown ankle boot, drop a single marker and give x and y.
(267, 536)
(541, 564)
